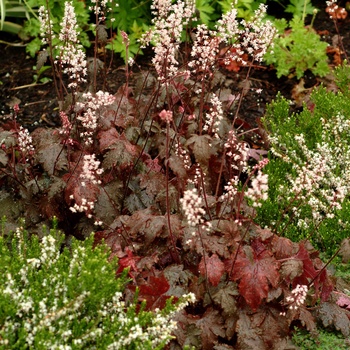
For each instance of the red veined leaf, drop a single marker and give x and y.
(256, 270)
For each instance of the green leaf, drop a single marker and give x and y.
(33, 47)
(11, 27)
(205, 11)
(297, 7)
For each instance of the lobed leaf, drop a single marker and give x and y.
(332, 314)
(49, 150)
(211, 325)
(201, 147)
(121, 154)
(256, 272)
(225, 297)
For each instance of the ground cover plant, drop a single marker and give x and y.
(309, 169)
(53, 299)
(165, 173)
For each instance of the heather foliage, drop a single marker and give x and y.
(309, 175)
(165, 175)
(53, 297)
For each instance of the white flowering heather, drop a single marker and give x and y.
(72, 57)
(258, 190)
(321, 176)
(25, 142)
(72, 299)
(214, 117)
(170, 19)
(160, 327)
(89, 112)
(49, 254)
(192, 206)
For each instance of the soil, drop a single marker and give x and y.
(38, 102)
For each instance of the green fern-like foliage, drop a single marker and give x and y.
(297, 50)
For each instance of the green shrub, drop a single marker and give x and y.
(309, 169)
(53, 298)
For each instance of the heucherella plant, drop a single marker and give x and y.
(56, 297)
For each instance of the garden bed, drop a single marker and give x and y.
(201, 181)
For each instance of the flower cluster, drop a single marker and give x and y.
(166, 116)
(100, 8)
(91, 168)
(72, 57)
(230, 190)
(298, 297)
(183, 155)
(89, 176)
(66, 126)
(258, 189)
(204, 51)
(236, 151)
(25, 142)
(228, 26)
(45, 25)
(256, 36)
(214, 117)
(334, 11)
(85, 206)
(89, 109)
(170, 19)
(252, 37)
(192, 206)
